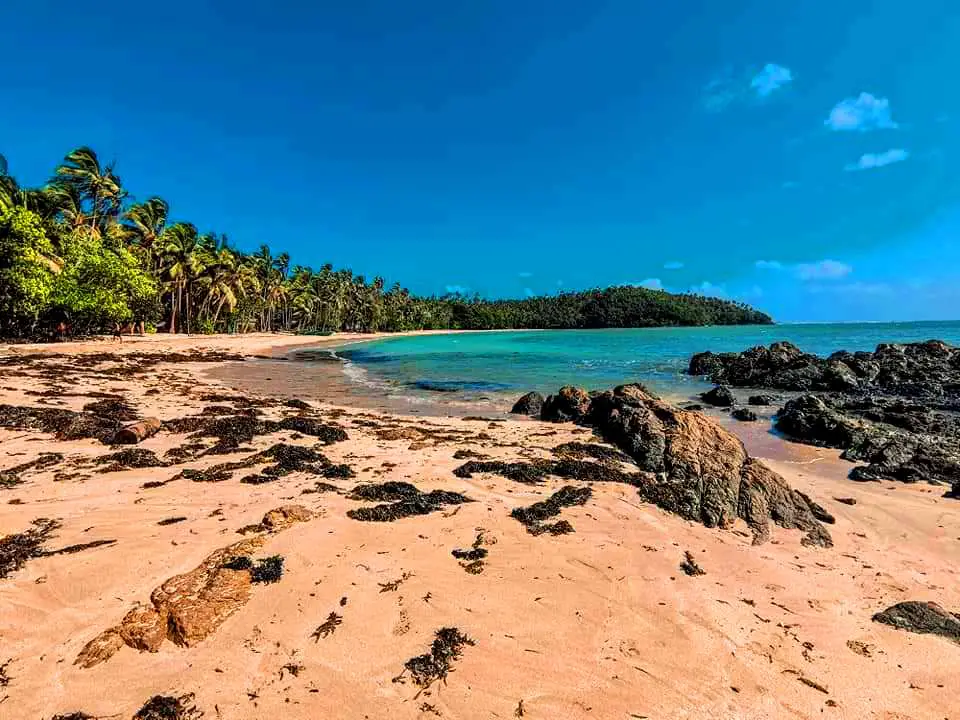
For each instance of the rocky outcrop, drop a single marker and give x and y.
(927, 369)
(743, 414)
(762, 399)
(921, 617)
(695, 468)
(187, 608)
(530, 404)
(570, 404)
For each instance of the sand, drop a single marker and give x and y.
(601, 623)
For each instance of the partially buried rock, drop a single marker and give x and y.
(921, 617)
(762, 400)
(720, 396)
(743, 414)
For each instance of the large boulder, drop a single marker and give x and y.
(698, 470)
(921, 617)
(530, 404)
(570, 404)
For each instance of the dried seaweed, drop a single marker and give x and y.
(328, 627)
(477, 553)
(532, 473)
(18, 548)
(394, 585)
(404, 499)
(690, 566)
(127, 459)
(341, 471)
(579, 450)
(533, 516)
(426, 669)
(74, 716)
(267, 570)
(167, 707)
(113, 407)
(171, 520)
(11, 477)
(79, 547)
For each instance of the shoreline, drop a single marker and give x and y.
(560, 623)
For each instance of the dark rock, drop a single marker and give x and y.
(921, 617)
(719, 396)
(570, 404)
(762, 400)
(846, 500)
(693, 406)
(743, 414)
(530, 404)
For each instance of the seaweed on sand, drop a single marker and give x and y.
(18, 548)
(328, 627)
(167, 707)
(265, 570)
(63, 424)
(690, 566)
(532, 473)
(426, 669)
(288, 459)
(404, 500)
(129, 458)
(172, 520)
(476, 553)
(342, 470)
(472, 559)
(113, 407)
(74, 716)
(11, 477)
(532, 517)
(579, 450)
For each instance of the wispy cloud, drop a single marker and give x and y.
(770, 79)
(862, 113)
(649, 284)
(869, 161)
(457, 289)
(823, 270)
(672, 265)
(525, 274)
(769, 265)
(528, 292)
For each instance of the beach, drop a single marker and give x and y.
(598, 623)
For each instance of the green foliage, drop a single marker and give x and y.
(78, 251)
(99, 285)
(27, 270)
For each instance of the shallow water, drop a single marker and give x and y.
(491, 367)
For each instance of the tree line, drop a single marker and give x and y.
(80, 252)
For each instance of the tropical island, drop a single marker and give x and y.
(81, 254)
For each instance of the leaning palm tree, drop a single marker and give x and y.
(96, 184)
(146, 221)
(228, 280)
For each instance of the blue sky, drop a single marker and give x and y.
(799, 156)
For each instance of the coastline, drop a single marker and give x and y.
(600, 623)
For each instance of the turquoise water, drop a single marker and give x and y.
(490, 365)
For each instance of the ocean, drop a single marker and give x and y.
(494, 367)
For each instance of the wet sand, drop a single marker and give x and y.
(601, 623)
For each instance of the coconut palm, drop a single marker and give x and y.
(95, 184)
(182, 252)
(146, 221)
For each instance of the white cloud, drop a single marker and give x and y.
(649, 284)
(869, 161)
(770, 79)
(708, 289)
(672, 265)
(525, 274)
(823, 270)
(769, 265)
(457, 289)
(862, 113)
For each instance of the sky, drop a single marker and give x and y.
(795, 156)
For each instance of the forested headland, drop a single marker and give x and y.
(81, 253)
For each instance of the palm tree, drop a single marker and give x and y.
(228, 279)
(182, 252)
(146, 221)
(94, 183)
(9, 189)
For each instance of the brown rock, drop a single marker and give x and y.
(102, 647)
(283, 517)
(143, 628)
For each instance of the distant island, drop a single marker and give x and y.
(79, 256)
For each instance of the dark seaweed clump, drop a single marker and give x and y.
(404, 499)
(533, 516)
(288, 459)
(265, 570)
(113, 407)
(63, 424)
(167, 707)
(328, 627)
(74, 716)
(472, 559)
(341, 471)
(233, 431)
(476, 553)
(172, 520)
(426, 669)
(129, 458)
(532, 473)
(17, 549)
(690, 566)
(11, 477)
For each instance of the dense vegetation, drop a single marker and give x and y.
(80, 253)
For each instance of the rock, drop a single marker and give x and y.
(719, 396)
(839, 376)
(762, 400)
(569, 404)
(921, 617)
(693, 406)
(187, 608)
(846, 500)
(810, 419)
(697, 469)
(743, 414)
(530, 404)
